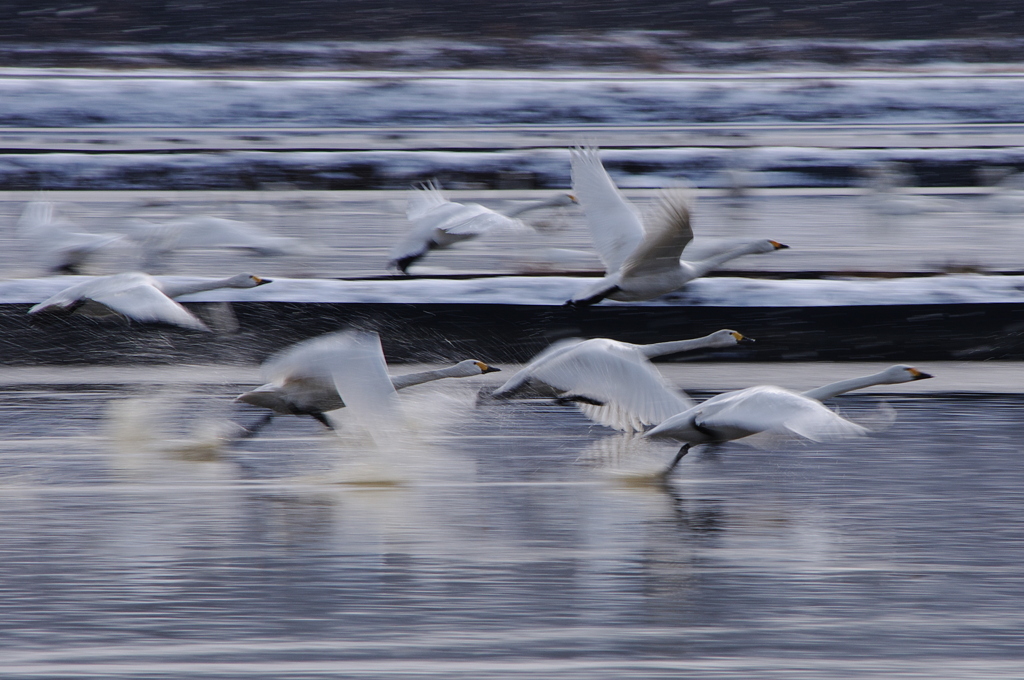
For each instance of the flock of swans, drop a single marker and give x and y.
(613, 383)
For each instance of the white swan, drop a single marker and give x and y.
(640, 264)
(64, 249)
(139, 296)
(770, 409)
(612, 382)
(307, 378)
(201, 232)
(439, 222)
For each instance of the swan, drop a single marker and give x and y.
(640, 264)
(612, 382)
(140, 297)
(438, 222)
(64, 249)
(304, 379)
(770, 409)
(199, 232)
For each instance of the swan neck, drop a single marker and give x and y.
(174, 290)
(662, 348)
(704, 266)
(409, 379)
(520, 209)
(843, 386)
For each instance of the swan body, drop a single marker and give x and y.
(140, 297)
(309, 377)
(64, 249)
(640, 262)
(612, 382)
(773, 410)
(206, 232)
(439, 223)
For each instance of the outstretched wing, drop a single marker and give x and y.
(663, 245)
(352, 361)
(774, 410)
(613, 384)
(362, 381)
(614, 224)
(423, 199)
(145, 303)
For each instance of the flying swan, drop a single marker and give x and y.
(770, 409)
(64, 249)
(438, 222)
(140, 297)
(640, 263)
(310, 377)
(200, 232)
(612, 382)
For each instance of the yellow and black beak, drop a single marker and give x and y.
(742, 338)
(261, 281)
(919, 375)
(778, 246)
(484, 368)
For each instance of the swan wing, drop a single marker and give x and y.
(362, 381)
(144, 302)
(352, 362)
(424, 199)
(474, 220)
(768, 409)
(614, 223)
(612, 383)
(669, 233)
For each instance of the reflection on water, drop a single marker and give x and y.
(137, 540)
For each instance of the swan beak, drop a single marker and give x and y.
(484, 368)
(572, 197)
(260, 282)
(919, 375)
(742, 338)
(777, 245)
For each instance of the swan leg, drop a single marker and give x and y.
(403, 263)
(675, 461)
(593, 299)
(254, 429)
(323, 419)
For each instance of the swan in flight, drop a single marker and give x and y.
(140, 297)
(64, 249)
(773, 410)
(612, 382)
(438, 222)
(640, 263)
(307, 378)
(201, 232)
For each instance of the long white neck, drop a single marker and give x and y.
(702, 267)
(661, 348)
(409, 379)
(174, 290)
(519, 210)
(843, 386)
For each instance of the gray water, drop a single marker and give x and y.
(135, 541)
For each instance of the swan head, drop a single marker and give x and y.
(902, 373)
(727, 337)
(246, 281)
(471, 367)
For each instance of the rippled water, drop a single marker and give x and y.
(498, 543)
